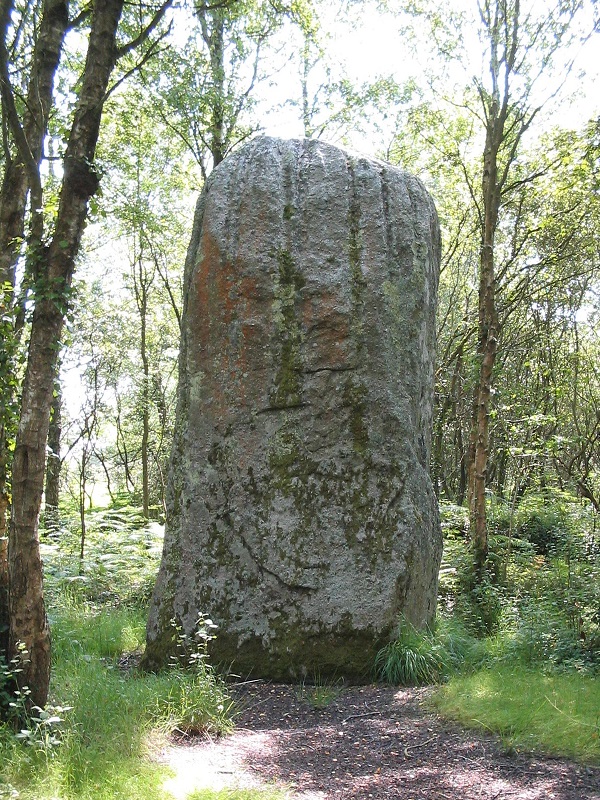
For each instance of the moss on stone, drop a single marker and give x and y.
(289, 276)
(287, 390)
(294, 653)
(283, 456)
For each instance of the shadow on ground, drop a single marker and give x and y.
(365, 742)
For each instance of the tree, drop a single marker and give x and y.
(520, 47)
(204, 92)
(520, 43)
(52, 245)
(22, 159)
(148, 207)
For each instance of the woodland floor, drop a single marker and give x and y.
(366, 742)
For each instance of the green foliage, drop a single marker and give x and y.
(43, 728)
(454, 520)
(543, 519)
(479, 599)
(518, 653)
(534, 680)
(560, 584)
(121, 556)
(8, 674)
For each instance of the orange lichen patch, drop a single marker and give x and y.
(212, 311)
(327, 331)
(208, 288)
(227, 320)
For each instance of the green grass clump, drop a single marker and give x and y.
(421, 657)
(319, 692)
(413, 658)
(559, 713)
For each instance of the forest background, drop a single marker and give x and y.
(491, 103)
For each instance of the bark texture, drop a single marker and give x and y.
(53, 462)
(301, 515)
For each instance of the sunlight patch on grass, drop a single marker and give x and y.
(558, 713)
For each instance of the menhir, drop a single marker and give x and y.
(301, 514)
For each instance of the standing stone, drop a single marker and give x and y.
(301, 515)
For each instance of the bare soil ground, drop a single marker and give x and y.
(365, 742)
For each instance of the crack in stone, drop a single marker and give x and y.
(294, 587)
(309, 371)
(270, 409)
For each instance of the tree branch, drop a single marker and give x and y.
(145, 33)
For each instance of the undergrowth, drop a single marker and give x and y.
(114, 717)
(520, 657)
(515, 651)
(105, 718)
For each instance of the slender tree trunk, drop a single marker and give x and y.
(487, 345)
(143, 308)
(13, 201)
(4, 612)
(55, 268)
(82, 488)
(212, 24)
(306, 67)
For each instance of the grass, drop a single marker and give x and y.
(105, 738)
(320, 693)
(558, 714)
(417, 658)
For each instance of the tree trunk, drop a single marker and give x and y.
(213, 33)
(82, 488)
(487, 344)
(306, 67)
(28, 623)
(143, 309)
(55, 268)
(13, 200)
(4, 613)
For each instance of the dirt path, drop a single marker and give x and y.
(365, 742)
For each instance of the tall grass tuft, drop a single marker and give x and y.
(421, 657)
(413, 658)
